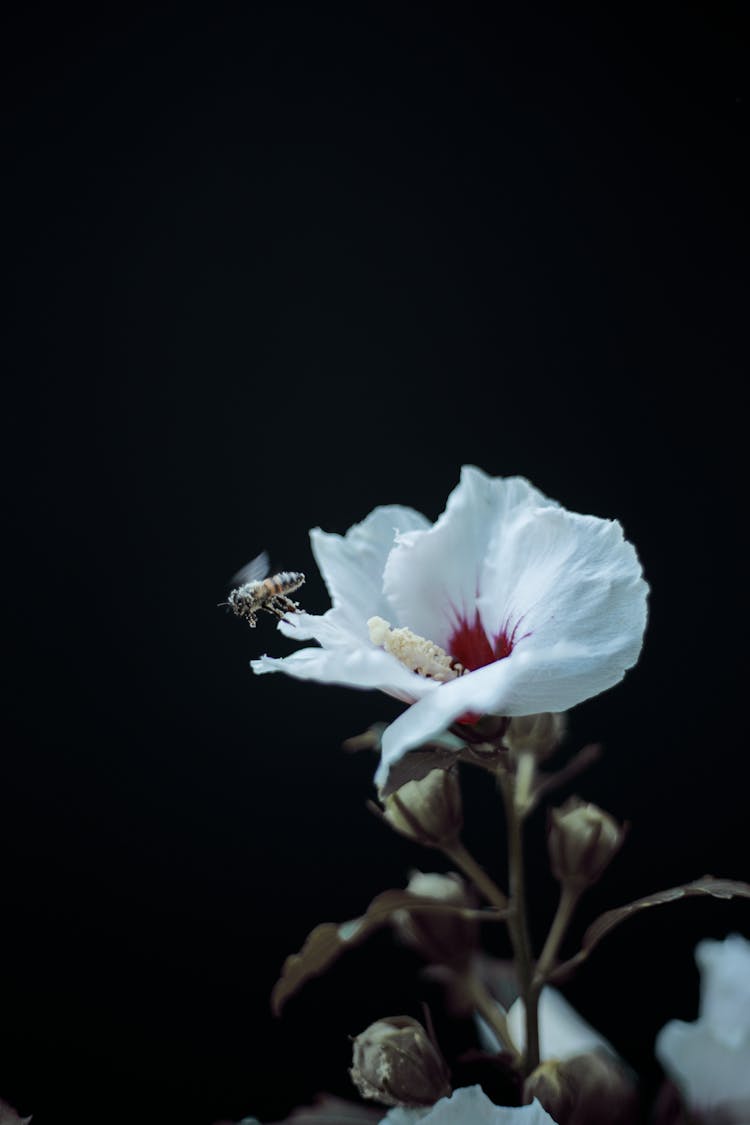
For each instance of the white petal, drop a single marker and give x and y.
(471, 1106)
(488, 1040)
(725, 988)
(330, 630)
(556, 577)
(351, 667)
(487, 690)
(8, 1115)
(563, 1033)
(713, 1078)
(352, 565)
(432, 576)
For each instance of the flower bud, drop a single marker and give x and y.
(441, 938)
(582, 840)
(553, 1088)
(429, 810)
(586, 1089)
(539, 735)
(396, 1063)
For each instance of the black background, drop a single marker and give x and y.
(272, 265)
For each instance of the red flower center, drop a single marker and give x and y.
(470, 645)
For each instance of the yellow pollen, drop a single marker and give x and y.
(418, 654)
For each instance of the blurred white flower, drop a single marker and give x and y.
(709, 1060)
(9, 1116)
(508, 604)
(563, 1033)
(470, 1106)
(581, 1080)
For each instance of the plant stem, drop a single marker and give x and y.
(481, 880)
(525, 771)
(490, 1010)
(565, 907)
(518, 924)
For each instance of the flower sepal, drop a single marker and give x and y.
(538, 735)
(586, 1089)
(428, 811)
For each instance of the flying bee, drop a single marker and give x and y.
(256, 590)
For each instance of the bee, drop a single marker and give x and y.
(256, 590)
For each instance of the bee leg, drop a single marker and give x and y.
(280, 605)
(287, 603)
(272, 608)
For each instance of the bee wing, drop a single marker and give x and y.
(255, 571)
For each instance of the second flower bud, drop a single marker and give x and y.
(582, 840)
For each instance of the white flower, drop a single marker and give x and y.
(508, 604)
(470, 1106)
(709, 1060)
(563, 1033)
